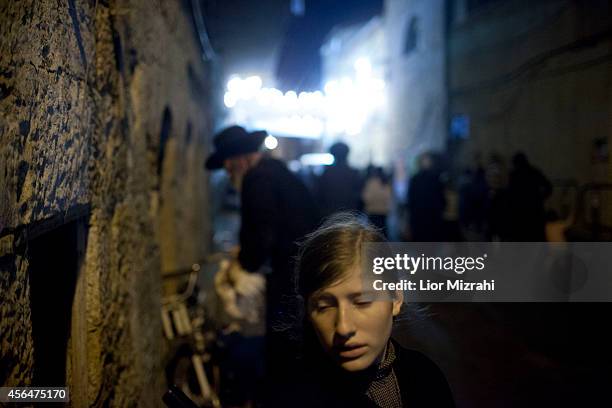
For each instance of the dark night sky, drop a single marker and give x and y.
(262, 36)
(299, 64)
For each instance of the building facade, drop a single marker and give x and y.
(103, 132)
(534, 77)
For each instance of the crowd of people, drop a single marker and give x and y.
(308, 240)
(492, 202)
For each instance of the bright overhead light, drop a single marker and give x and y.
(331, 87)
(253, 82)
(271, 142)
(317, 159)
(353, 128)
(233, 85)
(344, 107)
(291, 97)
(363, 66)
(244, 88)
(229, 100)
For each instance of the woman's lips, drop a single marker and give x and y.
(352, 351)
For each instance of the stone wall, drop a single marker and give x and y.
(103, 115)
(537, 77)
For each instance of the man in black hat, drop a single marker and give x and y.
(276, 211)
(276, 207)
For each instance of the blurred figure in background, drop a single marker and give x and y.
(426, 202)
(496, 176)
(397, 221)
(377, 197)
(339, 187)
(528, 188)
(474, 202)
(276, 210)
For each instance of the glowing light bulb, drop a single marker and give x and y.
(271, 142)
(229, 100)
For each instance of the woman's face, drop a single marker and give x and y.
(352, 328)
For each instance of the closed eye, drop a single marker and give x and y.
(322, 307)
(322, 304)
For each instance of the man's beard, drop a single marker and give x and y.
(236, 180)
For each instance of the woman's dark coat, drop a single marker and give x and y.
(317, 383)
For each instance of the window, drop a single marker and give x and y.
(411, 37)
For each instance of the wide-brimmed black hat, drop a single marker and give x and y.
(234, 141)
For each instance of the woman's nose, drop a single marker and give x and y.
(345, 325)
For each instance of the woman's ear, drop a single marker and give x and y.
(397, 302)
